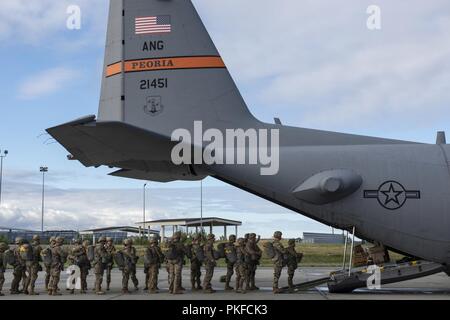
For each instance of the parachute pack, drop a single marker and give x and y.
(26, 252)
(9, 257)
(119, 259)
(46, 255)
(91, 253)
(269, 250)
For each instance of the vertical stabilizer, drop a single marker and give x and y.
(168, 73)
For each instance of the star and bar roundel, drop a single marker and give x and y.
(391, 195)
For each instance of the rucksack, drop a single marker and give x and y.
(269, 250)
(46, 255)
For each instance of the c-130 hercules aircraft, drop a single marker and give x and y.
(162, 73)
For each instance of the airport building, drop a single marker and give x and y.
(10, 234)
(323, 238)
(118, 234)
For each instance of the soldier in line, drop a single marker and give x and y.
(85, 267)
(58, 260)
(293, 258)
(129, 270)
(278, 260)
(78, 257)
(34, 266)
(47, 262)
(111, 250)
(3, 248)
(241, 267)
(175, 258)
(196, 263)
(18, 267)
(230, 250)
(100, 257)
(255, 254)
(154, 258)
(210, 263)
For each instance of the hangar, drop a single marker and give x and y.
(191, 225)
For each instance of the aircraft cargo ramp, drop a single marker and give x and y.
(343, 281)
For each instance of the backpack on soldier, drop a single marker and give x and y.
(119, 259)
(200, 254)
(171, 253)
(269, 250)
(10, 257)
(26, 252)
(231, 254)
(46, 255)
(188, 251)
(91, 253)
(221, 250)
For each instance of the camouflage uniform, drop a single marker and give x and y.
(3, 248)
(100, 257)
(78, 256)
(293, 258)
(210, 263)
(175, 264)
(58, 259)
(129, 270)
(48, 267)
(278, 260)
(230, 265)
(241, 267)
(255, 255)
(155, 258)
(85, 267)
(196, 264)
(111, 250)
(34, 266)
(19, 267)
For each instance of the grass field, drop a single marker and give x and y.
(314, 255)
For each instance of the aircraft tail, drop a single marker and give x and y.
(162, 71)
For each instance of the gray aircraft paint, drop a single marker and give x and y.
(138, 144)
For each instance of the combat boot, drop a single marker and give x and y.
(209, 290)
(33, 293)
(228, 288)
(177, 291)
(99, 293)
(291, 286)
(82, 291)
(125, 291)
(276, 290)
(107, 286)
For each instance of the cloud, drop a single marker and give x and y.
(79, 209)
(33, 22)
(316, 64)
(46, 82)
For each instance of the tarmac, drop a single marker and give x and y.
(434, 287)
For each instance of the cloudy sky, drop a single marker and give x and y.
(311, 63)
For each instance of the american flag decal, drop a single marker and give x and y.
(151, 25)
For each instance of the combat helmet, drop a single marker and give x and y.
(277, 234)
(3, 247)
(36, 238)
(109, 239)
(19, 241)
(240, 241)
(102, 239)
(127, 242)
(210, 237)
(291, 242)
(59, 240)
(153, 240)
(232, 238)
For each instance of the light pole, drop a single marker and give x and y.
(201, 206)
(2, 155)
(143, 210)
(43, 170)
